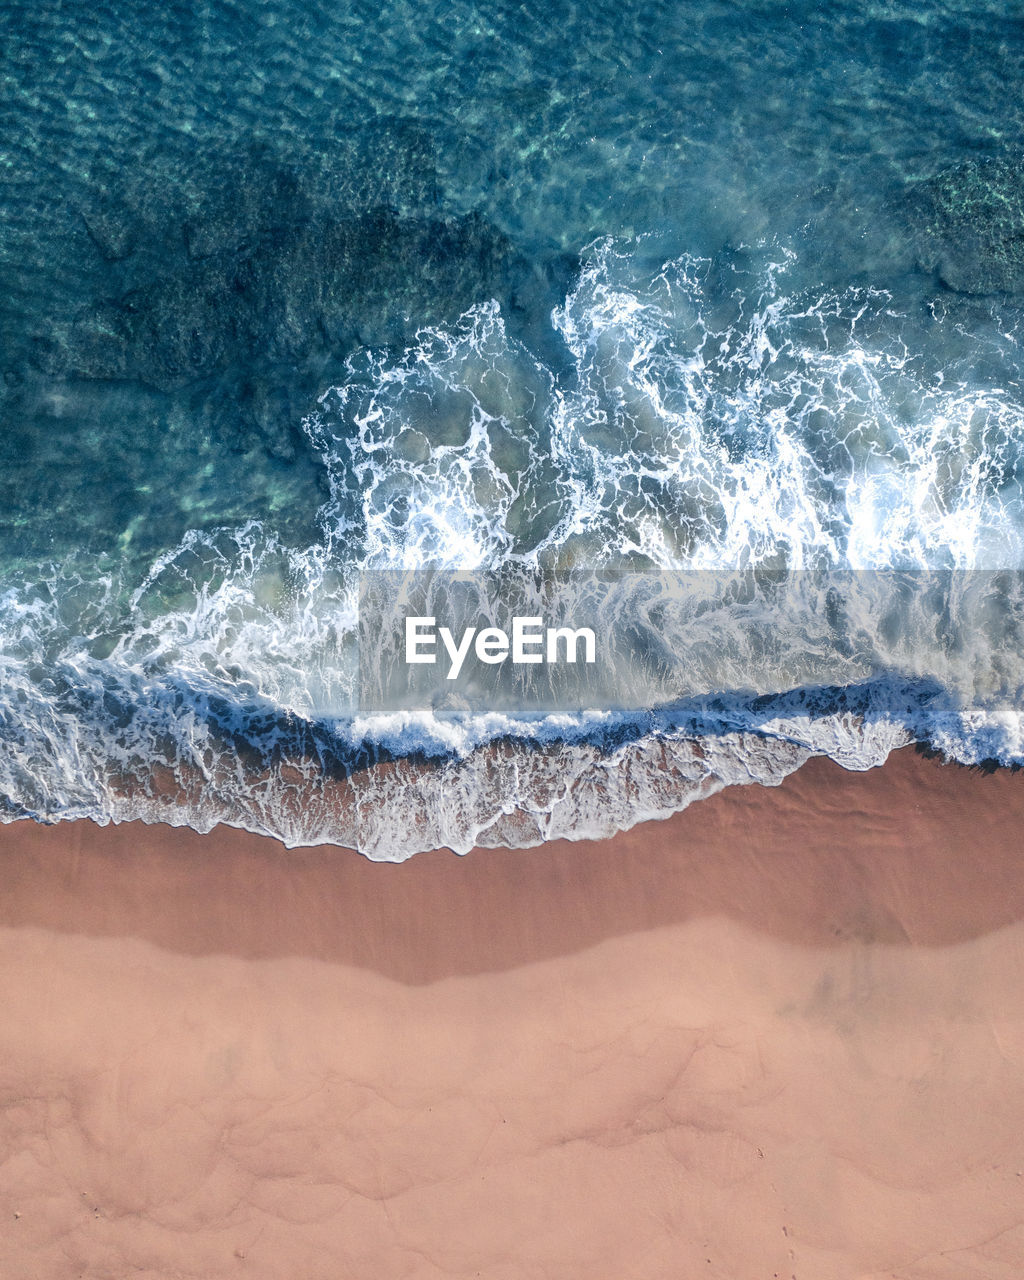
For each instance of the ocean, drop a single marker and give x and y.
(719, 303)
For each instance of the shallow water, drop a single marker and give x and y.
(295, 291)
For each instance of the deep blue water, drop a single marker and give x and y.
(296, 290)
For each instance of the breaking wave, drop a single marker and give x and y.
(695, 417)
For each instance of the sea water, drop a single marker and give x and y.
(721, 294)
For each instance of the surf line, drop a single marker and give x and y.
(530, 642)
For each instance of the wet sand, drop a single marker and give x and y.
(779, 1035)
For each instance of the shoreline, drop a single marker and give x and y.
(79, 876)
(780, 1031)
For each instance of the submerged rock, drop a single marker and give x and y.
(970, 221)
(263, 257)
(113, 228)
(218, 200)
(368, 280)
(240, 201)
(225, 295)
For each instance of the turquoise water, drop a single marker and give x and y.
(292, 291)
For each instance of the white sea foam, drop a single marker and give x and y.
(704, 421)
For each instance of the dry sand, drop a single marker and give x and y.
(780, 1035)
